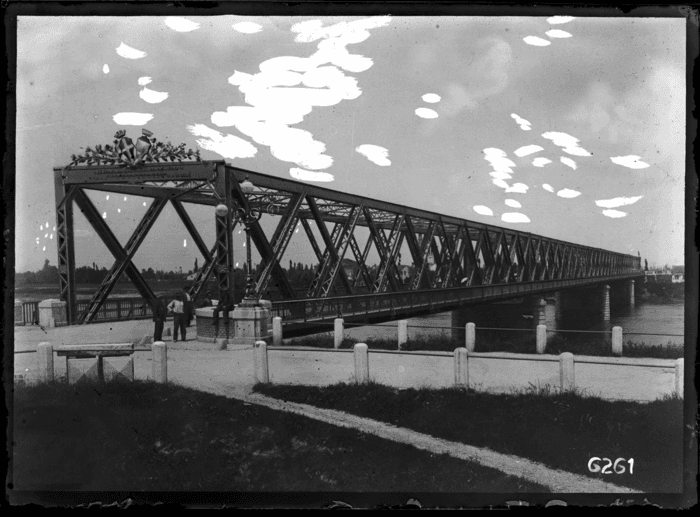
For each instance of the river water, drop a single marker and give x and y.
(638, 325)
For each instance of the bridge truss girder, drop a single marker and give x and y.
(464, 252)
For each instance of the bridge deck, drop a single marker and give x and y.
(301, 317)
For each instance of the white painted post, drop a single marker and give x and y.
(222, 343)
(617, 340)
(461, 368)
(361, 363)
(160, 362)
(679, 377)
(566, 371)
(44, 358)
(337, 332)
(470, 337)
(276, 331)
(403, 333)
(262, 372)
(541, 338)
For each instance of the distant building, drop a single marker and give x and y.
(191, 277)
(678, 274)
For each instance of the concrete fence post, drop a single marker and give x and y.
(617, 340)
(222, 343)
(679, 377)
(277, 331)
(541, 338)
(566, 371)
(160, 362)
(461, 368)
(403, 334)
(337, 332)
(262, 372)
(470, 337)
(44, 358)
(361, 363)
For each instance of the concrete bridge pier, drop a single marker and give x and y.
(630, 293)
(605, 303)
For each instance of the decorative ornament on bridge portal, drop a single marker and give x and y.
(126, 153)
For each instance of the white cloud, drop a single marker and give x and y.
(375, 154)
(547, 187)
(153, 96)
(132, 119)
(181, 24)
(143, 81)
(614, 213)
(498, 175)
(305, 175)
(568, 193)
(618, 201)
(631, 162)
(247, 27)
(518, 188)
(555, 33)
(554, 20)
(431, 97)
(524, 124)
(568, 143)
(515, 217)
(426, 113)
(500, 183)
(568, 161)
(105, 68)
(538, 42)
(228, 146)
(130, 53)
(513, 203)
(497, 159)
(527, 150)
(482, 210)
(540, 162)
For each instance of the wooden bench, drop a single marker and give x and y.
(99, 351)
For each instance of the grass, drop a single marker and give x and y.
(561, 430)
(492, 341)
(156, 437)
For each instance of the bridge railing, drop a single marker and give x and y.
(117, 309)
(385, 303)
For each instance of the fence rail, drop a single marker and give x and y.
(115, 309)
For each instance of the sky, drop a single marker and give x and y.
(572, 128)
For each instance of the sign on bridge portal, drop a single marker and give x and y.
(151, 172)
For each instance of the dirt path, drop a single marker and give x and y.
(556, 480)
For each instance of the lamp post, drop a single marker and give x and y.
(247, 216)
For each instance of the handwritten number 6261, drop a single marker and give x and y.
(617, 467)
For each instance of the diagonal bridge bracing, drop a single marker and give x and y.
(447, 253)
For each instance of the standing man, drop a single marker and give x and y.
(187, 299)
(160, 312)
(177, 307)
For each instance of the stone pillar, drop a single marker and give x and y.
(19, 317)
(250, 323)
(403, 334)
(630, 291)
(277, 331)
(550, 314)
(361, 363)
(44, 360)
(337, 332)
(679, 377)
(605, 302)
(617, 340)
(160, 362)
(566, 371)
(262, 372)
(541, 343)
(461, 367)
(470, 340)
(52, 313)
(460, 317)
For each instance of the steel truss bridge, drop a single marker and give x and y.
(473, 262)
